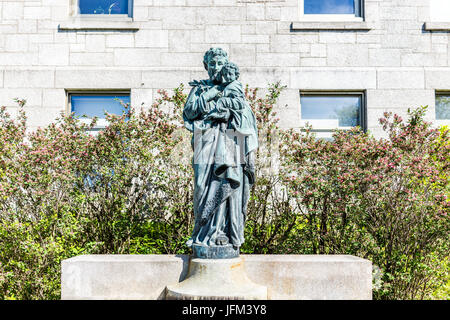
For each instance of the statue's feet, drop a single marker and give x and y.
(222, 240)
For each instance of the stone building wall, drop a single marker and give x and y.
(394, 57)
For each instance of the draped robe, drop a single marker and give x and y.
(223, 163)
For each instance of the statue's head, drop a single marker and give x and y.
(230, 72)
(213, 61)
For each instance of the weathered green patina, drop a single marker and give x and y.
(224, 141)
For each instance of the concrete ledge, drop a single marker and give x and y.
(437, 26)
(291, 277)
(328, 25)
(80, 25)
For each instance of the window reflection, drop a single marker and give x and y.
(344, 109)
(329, 7)
(103, 6)
(443, 107)
(95, 105)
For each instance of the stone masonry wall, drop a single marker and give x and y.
(397, 63)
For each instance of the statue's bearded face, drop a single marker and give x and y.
(215, 64)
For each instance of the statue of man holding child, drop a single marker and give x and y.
(224, 141)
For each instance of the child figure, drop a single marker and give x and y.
(230, 76)
(232, 89)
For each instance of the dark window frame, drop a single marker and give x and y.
(93, 92)
(319, 93)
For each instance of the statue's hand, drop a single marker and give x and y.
(216, 115)
(219, 116)
(194, 83)
(211, 93)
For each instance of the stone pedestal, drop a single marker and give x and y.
(216, 279)
(292, 277)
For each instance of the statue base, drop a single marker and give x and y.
(214, 252)
(146, 276)
(216, 279)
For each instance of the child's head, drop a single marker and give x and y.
(230, 72)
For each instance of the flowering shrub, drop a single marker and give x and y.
(65, 192)
(128, 189)
(381, 199)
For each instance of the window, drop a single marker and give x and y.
(332, 110)
(440, 10)
(331, 10)
(87, 105)
(100, 15)
(443, 106)
(105, 7)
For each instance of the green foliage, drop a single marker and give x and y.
(66, 192)
(128, 190)
(381, 199)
